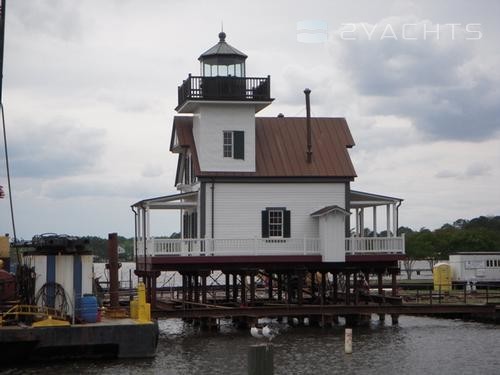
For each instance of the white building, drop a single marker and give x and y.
(250, 187)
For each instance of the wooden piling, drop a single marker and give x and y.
(260, 360)
(227, 287)
(280, 287)
(235, 287)
(252, 288)
(270, 286)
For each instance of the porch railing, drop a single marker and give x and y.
(231, 246)
(267, 246)
(375, 245)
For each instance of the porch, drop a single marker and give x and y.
(361, 242)
(265, 246)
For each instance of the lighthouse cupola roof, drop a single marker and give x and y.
(222, 60)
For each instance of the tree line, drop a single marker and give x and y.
(479, 234)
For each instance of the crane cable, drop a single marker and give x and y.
(8, 174)
(2, 41)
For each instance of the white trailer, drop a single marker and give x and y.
(475, 266)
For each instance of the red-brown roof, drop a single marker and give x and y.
(280, 147)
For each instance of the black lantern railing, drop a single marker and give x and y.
(224, 88)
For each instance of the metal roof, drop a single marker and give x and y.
(174, 201)
(360, 199)
(222, 49)
(280, 148)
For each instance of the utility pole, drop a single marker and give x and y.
(2, 40)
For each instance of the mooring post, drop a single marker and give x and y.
(261, 360)
(113, 270)
(348, 341)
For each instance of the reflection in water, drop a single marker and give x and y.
(416, 346)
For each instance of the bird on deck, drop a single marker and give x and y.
(256, 332)
(269, 333)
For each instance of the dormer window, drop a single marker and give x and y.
(233, 144)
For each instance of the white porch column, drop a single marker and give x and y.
(362, 222)
(357, 221)
(394, 220)
(388, 220)
(374, 221)
(148, 229)
(138, 224)
(144, 224)
(181, 225)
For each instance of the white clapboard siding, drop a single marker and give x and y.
(209, 123)
(238, 206)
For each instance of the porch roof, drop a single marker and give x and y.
(328, 209)
(174, 201)
(361, 199)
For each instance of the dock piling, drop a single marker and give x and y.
(261, 360)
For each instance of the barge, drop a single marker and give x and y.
(55, 313)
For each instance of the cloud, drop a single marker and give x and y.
(152, 170)
(446, 174)
(441, 85)
(58, 148)
(57, 18)
(110, 187)
(477, 170)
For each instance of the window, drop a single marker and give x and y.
(228, 144)
(233, 144)
(188, 172)
(275, 223)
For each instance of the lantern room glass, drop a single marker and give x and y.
(223, 70)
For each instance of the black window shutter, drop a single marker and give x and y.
(265, 224)
(286, 226)
(239, 144)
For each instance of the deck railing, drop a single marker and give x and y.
(375, 245)
(224, 88)
(231, 246)
(266, 246)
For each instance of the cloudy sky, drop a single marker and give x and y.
(90, 89)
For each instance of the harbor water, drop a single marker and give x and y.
(418, 345)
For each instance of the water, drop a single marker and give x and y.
(416, 346)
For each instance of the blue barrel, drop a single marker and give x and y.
(88, 308)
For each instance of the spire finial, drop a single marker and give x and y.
(222, 34)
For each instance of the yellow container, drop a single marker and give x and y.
(133, 309)
(4, 247)
(442, 277)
